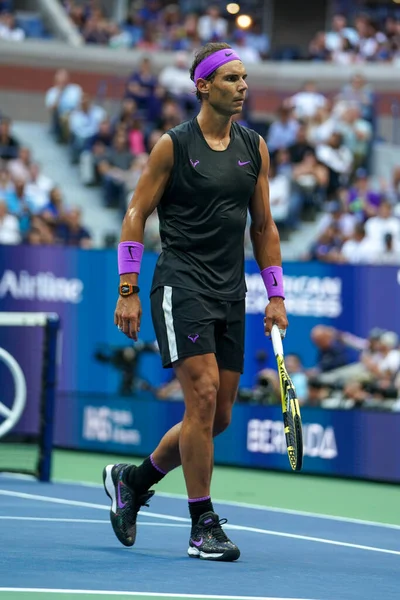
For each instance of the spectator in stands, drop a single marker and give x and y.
(9, 145)
(340, 31)
(393, 190)
(212, 26)
(306, 102)
(176, 80)
(8, 29)
(317, 50)
(361, 199)
(9, 226)
(339, 160)
(389, 363)
(247, 53)
(149, 41)
(359, 92)
(20, 168)
(357, 250)
(321, 126)
(40, 233)
(300, 146)
(279, 195)
(310, 183)
(298, 376)
(357, 135)
(84, 123)
(327, 247)
(338, 217)
(283, 131)
(38, 187)
(384, 223)
(120, 157)
(332, 351)
(6, 184)
(141, 84)
(61, 100)
(391, 252)
(258, 39)
(71, 232)
(53, 212)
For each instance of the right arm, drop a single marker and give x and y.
(148, 193)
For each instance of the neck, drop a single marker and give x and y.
(213, 124)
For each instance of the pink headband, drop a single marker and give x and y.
(213, 62)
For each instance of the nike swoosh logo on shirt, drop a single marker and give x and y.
(241, 164)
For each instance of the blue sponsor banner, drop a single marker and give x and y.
(81, 286)
(342, 443)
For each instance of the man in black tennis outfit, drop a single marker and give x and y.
(203, 177)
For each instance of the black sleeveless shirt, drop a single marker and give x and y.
(203, 212)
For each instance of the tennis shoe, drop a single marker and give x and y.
(209, 541)
(125, 503)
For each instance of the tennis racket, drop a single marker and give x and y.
(290, 406)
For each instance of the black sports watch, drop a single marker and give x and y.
(127, 289)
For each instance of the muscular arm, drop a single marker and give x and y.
(263, 232)
(148, 193)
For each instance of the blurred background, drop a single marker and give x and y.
(86, 90)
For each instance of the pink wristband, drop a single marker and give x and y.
(273, 281)
(129, 257)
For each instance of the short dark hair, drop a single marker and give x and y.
(203, 53)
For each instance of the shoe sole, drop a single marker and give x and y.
(109, 488)
(227, 556)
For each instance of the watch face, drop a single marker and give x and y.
(125, 289)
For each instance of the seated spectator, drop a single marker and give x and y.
(358, 250)
(389, 363)
(136, 138)
(306, 102)
(345, 55)
(360, 93)
(391, 253)
(240, 44)
(9, 226)
(357, 135)
(340, 30)
(279, 195)
(117, 156)
(39, 186)
(84, 123)
(317, 50)
(54, 211)
(71, 232)
(282, 132)
(6, 183)
(8, 29)
(327, 247)
(61, 100)
(258, 39)
(321, 126)
(339, 160)
(212, 25)
(331, 349)
(149, 41)
(20, 168)
(384, 223)
(336, 215)
(176, 80)
(300, 146)
(298, 376)
(40, 233)
(9, 145)
(310, 181)
(362, 200)
(141, 84)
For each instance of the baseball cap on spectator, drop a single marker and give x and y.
(376, 333)
(390, 339)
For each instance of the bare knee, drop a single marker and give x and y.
(222, 420)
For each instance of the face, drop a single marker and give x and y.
(226, 94)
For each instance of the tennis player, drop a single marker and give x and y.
(203, 177)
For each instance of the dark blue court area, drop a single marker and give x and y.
(57, 536)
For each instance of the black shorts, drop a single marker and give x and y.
(189, 324)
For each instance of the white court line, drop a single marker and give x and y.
(91, 521)
(274, 509)
(284, 511)
(235, 527)
(144, 594)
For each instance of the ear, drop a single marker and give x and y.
(203, 86)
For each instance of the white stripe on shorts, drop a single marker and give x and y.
(169, 323)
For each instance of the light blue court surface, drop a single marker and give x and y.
(58, 537)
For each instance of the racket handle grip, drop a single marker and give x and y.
(276, 341)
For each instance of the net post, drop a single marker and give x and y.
(49, 378)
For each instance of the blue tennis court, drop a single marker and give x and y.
(57, 542)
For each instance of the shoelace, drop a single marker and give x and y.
(217, 531)
(144, 499)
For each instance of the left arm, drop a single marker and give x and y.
(265, 240)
